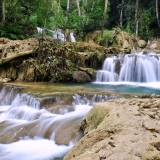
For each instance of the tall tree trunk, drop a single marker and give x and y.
(79, 11)
(136, 10)
(3, 13)
(136, 17)
(157, 13)
(121, 16)
(68, 3)
(104, 14)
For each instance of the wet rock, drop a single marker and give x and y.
(81, 77)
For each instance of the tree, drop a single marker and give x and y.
(136, 17)
(104, 14)
(3, 13)
(157, 13)
(68, 2)
(79, 11)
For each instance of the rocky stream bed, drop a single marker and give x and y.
(124, 129)
(119, 129)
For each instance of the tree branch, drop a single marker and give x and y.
(14, 57)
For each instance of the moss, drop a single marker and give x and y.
(96, 116)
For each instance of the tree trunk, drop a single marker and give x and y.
(79, 11)
(14, 57)
(3, 13)
(121, 18)
(121, 15)
(157, 13)
(104, 14)
(136, 17)
(68, 3)
(136, 10)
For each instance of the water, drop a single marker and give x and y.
(30, 131)
(40, 30)
(57, 34)
(128, 88)
(136, 67)
(72, 37)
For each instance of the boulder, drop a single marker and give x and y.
(154, 45)
(81, 77)
(141, 43)
(119, 129)
(126, 44)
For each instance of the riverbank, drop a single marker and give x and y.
(120, 129)
(44, 59)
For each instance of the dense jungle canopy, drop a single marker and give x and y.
(19, 18)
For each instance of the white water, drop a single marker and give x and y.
(39, 30)
(136, 67)
(72, 37)
(31, 131)
(33, 149)
(57, 34)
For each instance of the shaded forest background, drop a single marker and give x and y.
(19, 18)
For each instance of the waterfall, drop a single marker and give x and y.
(57, 34)
(39, 30)
(130, 68)
(27, 129)
(72, 37)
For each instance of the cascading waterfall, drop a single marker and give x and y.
(135, 67)
(28, 131)
(72, 37)
(57, 34)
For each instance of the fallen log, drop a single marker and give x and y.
(14, 57)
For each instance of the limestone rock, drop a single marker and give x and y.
(141, 43)
(119, 129)
(30, 75)
(81, 77)
(126, 44)
(153, 46)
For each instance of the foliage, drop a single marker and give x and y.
(105, 38)
(12, 31)
(53, 14)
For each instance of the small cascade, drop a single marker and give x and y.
(60, 35)
(137, 67)
(108, 72)
(72, 37)
(57, 34)
(26, 128)
(39, 30)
